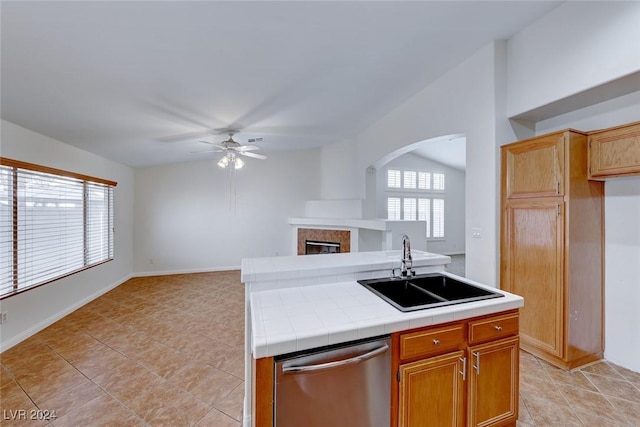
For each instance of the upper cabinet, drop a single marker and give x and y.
(614, 152)
(535, 168)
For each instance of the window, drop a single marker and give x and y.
(52, 223)
(393, 208)
(424, 213)
(438, 181)
(409, 179)
(393, 178)
(424, 180)
(438, 218)
(409, 211)
(417, 195)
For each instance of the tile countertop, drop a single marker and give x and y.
(295, 271)
(290, 319)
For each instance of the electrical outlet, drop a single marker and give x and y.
(3, 318)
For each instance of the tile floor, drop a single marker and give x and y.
(168, 351)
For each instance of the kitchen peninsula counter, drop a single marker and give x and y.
(304, 302)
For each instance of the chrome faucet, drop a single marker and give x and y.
(407, 263)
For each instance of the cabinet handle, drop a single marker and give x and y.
(557, 187)
(498, 328)
(477, 365)
(464, 368)
(436, 342)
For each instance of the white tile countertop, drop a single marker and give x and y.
(291, 319)
(296, 271)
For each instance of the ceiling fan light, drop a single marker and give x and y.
(238, 163)
(223, 162)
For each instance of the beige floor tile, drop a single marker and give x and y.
(546, 413)
(169, 351)
(590, 402)
(630, 410)
(218, 419)
(232, 404)
(620, 388)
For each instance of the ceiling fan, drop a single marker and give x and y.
(233, 150)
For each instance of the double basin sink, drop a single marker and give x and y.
(426, 291)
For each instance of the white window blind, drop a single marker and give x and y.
(393, 178)
(409, 179)
(409, 209)
(424, 180)
(424, 210)
(438, 181)
(52, 225)
(393, 208)
(438, 218)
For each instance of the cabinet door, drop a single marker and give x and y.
(532, 266)
(534, 168)
(615, 152)
(493, 383)
(432, 392)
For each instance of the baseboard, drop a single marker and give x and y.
(6, 345)
(187, 271)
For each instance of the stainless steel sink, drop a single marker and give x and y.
(426, 291)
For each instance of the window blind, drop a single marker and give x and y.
(52, 225)
(409, 211)
(438, 218)
(393, 208)
(393, 178)
(424, 180)
(438, 181)
(409, 179)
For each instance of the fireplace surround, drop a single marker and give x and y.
(326, 236)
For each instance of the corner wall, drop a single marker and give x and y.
(192, 217)
(463, 101)
(33, 310)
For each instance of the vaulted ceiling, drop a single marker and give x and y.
(142, 82)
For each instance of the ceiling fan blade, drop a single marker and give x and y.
(248, 148)
(206, 151)
(221, 147)
(254, 155)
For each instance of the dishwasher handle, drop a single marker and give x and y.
(329, 365)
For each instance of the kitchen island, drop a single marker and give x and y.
(305, 302)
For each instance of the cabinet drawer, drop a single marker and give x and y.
(432, 341)
(493, 328)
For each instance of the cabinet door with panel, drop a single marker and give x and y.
(535, 168)
(493, 383)
(432, 391)
(614, 152)
(533, 268)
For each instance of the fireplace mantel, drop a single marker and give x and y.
(367, 224)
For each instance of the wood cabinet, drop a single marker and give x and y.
(614, 152)
(458, 374)
(552, 246)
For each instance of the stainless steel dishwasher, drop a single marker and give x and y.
(343, 386)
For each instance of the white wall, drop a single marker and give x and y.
(338, 172)
(463, 101)
(622, 233)
(35, 309)
(577, 46)
(454, 197)
(571, 50)
(185, 220)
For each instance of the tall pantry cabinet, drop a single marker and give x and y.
(552, 232)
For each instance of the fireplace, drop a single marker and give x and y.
(314, 247)
(323, 241)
